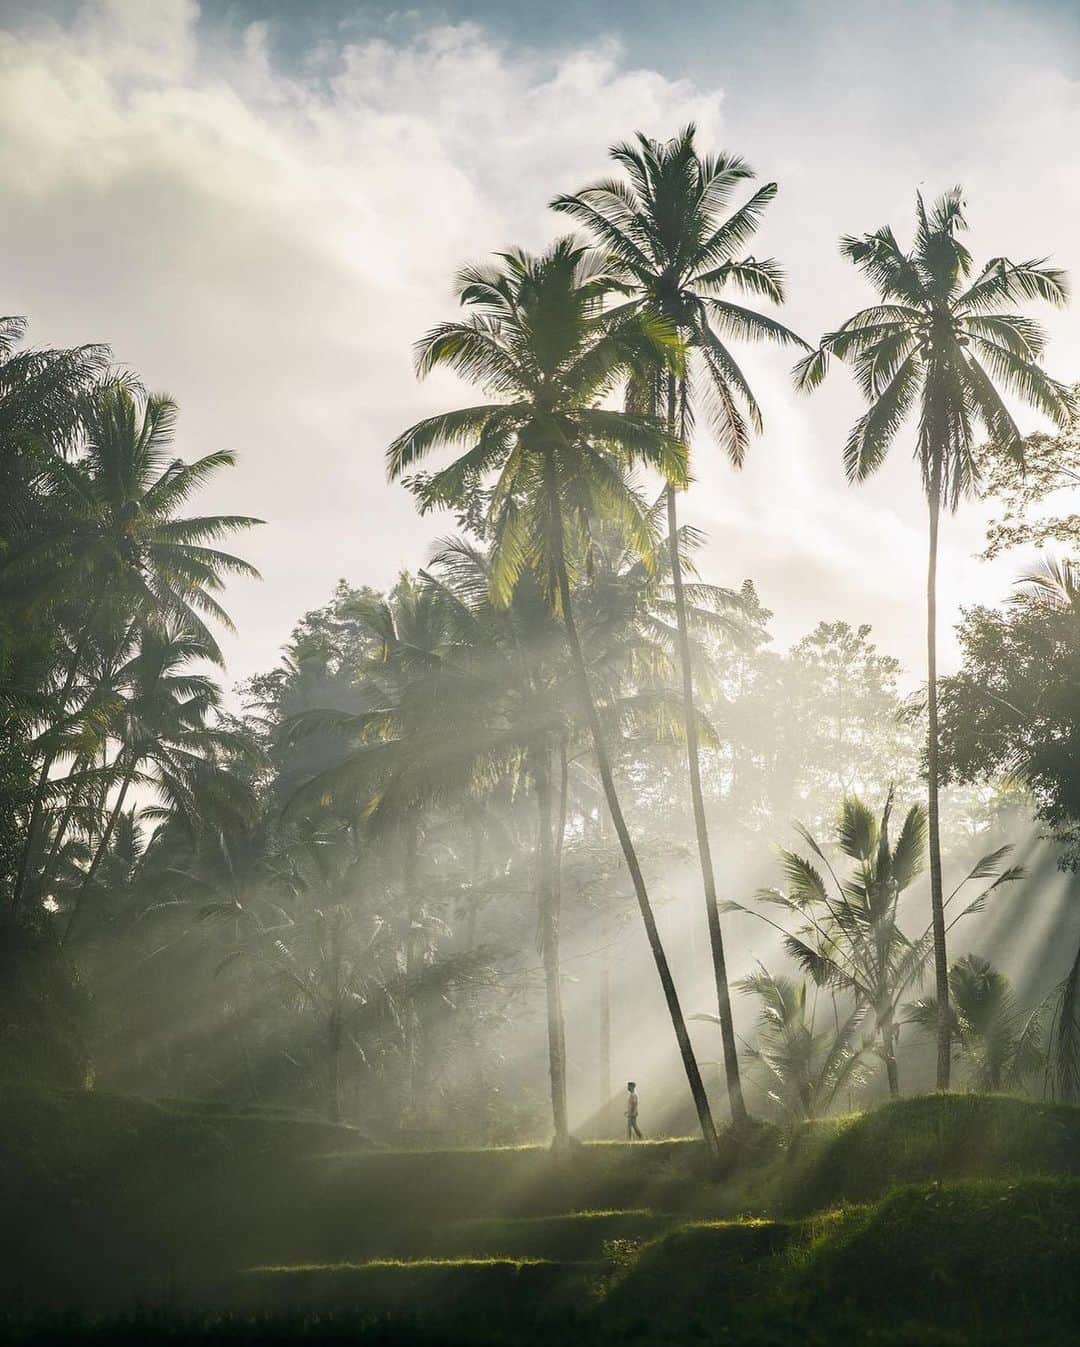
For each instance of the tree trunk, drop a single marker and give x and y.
(99, 854)
(548, 897)
(412, 1022)
(701, 827)
(605, 1035)
(608, 936)
(888, 1043)
(472, 913)
(333, 1064)
(937, 905)
(667, 982)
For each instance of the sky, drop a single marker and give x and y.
(261, 206)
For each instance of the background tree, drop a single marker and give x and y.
(999, 1046)
(803, 1068)
(1012, 709)
(847, 933)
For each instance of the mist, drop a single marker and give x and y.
(539, 628)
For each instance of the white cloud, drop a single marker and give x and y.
(266, 244)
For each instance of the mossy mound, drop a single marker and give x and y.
(974, 1262)
(928, 1138)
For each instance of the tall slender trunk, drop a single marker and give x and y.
(701, 828)
(476, 852)
(413, 1027)
(697, 798)
(605, 1034)
(334, 1043)
(888, 1044)
(937, 905)
(667, 982)
(548, 902)
(605, 987)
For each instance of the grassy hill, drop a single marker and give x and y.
(948, 1219)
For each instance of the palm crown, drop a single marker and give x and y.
(939, 342)
(543, 339)
(674, 249)
(127, 542)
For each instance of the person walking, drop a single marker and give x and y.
(632, 1130)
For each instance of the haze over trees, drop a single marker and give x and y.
(442, 868)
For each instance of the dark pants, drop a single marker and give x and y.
(632, 1128)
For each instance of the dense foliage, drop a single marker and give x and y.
(414, 861)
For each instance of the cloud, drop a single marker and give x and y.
(268, 244)
(266, 241)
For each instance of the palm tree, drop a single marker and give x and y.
(128, 559)
(1000, 1046)
(939, 344)
(676, 256)
(847, 932)
(42, 399)
(804, 1067)
(542, 341)
(164, 733)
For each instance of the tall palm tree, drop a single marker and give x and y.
(129, 558)
(940, 345)
(675, 252)
(445, 715)
(545, 345)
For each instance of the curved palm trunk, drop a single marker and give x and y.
(603, 762)
(701, 828)
(937, 905)
(548, 901)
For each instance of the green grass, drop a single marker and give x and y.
(112, 1202)
(981, 1260)
(919, 1140)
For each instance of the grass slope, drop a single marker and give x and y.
(120, 1202)
(972, 1261)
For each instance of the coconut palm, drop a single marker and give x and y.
(846, 931)
(675, 252)
(42, 399)
(129, 560)
(546, 347)
(164, 732)
(999, 1045)
(940, 345)
(804, 1068)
